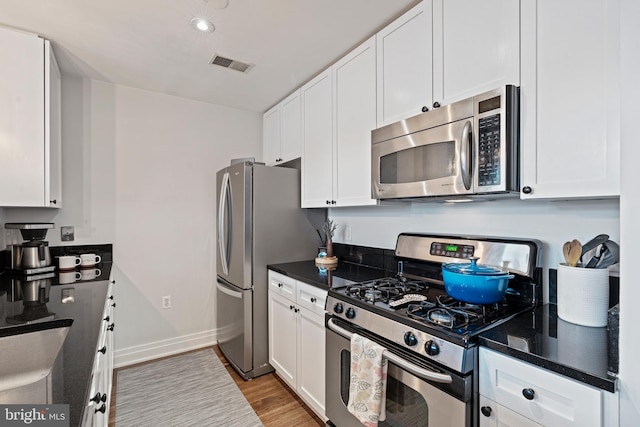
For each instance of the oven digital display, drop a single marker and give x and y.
(489, 104)
(451, 250)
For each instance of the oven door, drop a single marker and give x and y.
(412, 400)
(432, 162)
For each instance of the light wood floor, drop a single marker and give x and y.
(274, 402)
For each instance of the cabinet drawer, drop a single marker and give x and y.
(311, 298)
(553, 400)
(283, 285)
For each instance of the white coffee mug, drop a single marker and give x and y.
(68, 262)
(89, 259)
(68, 276)
(90, 274)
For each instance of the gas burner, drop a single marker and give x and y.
(449, 318)
(371, 294)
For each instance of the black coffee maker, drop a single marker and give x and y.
(33, 255)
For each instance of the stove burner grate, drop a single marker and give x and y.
(450, 318)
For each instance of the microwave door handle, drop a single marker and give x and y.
(465, 155)
(398, 361)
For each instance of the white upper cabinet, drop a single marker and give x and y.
(354, 97)
(317, 140)
(404, 65)
(338, 115)
(29, 121)
(569, 93)
(476, 47)
(442, 51)
(281, 131)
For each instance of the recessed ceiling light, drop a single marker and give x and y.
(202, 24)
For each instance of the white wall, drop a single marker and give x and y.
(629, 208)
(553, 223)
(139, 172)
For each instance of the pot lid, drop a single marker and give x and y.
(473, 268)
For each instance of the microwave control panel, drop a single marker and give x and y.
(489, 150)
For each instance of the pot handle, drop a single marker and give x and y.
(508, 276)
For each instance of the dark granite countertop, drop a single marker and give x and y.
(540, 337)
(71, 373)
(343, 274)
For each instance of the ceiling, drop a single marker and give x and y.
(150, 44)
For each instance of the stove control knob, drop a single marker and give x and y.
(351, 313)
(432, 348)
(338, 308)
(410, 339)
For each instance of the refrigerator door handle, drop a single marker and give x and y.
(235, 294)
(222, 244)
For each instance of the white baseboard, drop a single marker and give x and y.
(143, 353)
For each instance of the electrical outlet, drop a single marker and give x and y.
(166, 301)
(347, 233)
(67, 233)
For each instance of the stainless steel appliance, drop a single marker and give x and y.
(468, 148)
(430, 338)
(33, 255)
(260, 222)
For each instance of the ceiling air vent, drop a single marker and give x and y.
(230, 63)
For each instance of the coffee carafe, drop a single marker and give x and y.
(34, 252)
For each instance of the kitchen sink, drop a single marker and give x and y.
(27, 352)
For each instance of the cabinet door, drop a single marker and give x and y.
(271, 134)
(404, 65)
(53, 131)
(311, 360)
(354, 83)
(476, 47)
(317, 142)
(552, 399)
(291, 144)
(282, 338)
(22, 131)
(494, 415)
(570, 99)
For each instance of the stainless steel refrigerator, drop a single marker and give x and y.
(260, 222)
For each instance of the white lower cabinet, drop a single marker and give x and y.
(297, 338)
(96, 411)
(516, 393)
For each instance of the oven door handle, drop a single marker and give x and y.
(410, 367)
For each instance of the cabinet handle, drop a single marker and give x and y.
(102, 408)
(103, 350)
(436, 104)
(279, 285)
(53, 202)
(425, 108)
(313, 300)
(291, 307)
(527, 190)
(296, 310)
(111, 297)
(328, 202)
(97, 398)
(333, 202)
(486, 411)
(113, 305)
(110, 327)
(113, 281)
(106, 319)
(528, 393)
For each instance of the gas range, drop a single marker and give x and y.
(412, 310)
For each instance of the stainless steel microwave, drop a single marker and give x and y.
(469, 148)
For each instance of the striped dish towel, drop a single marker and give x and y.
(368, 384)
